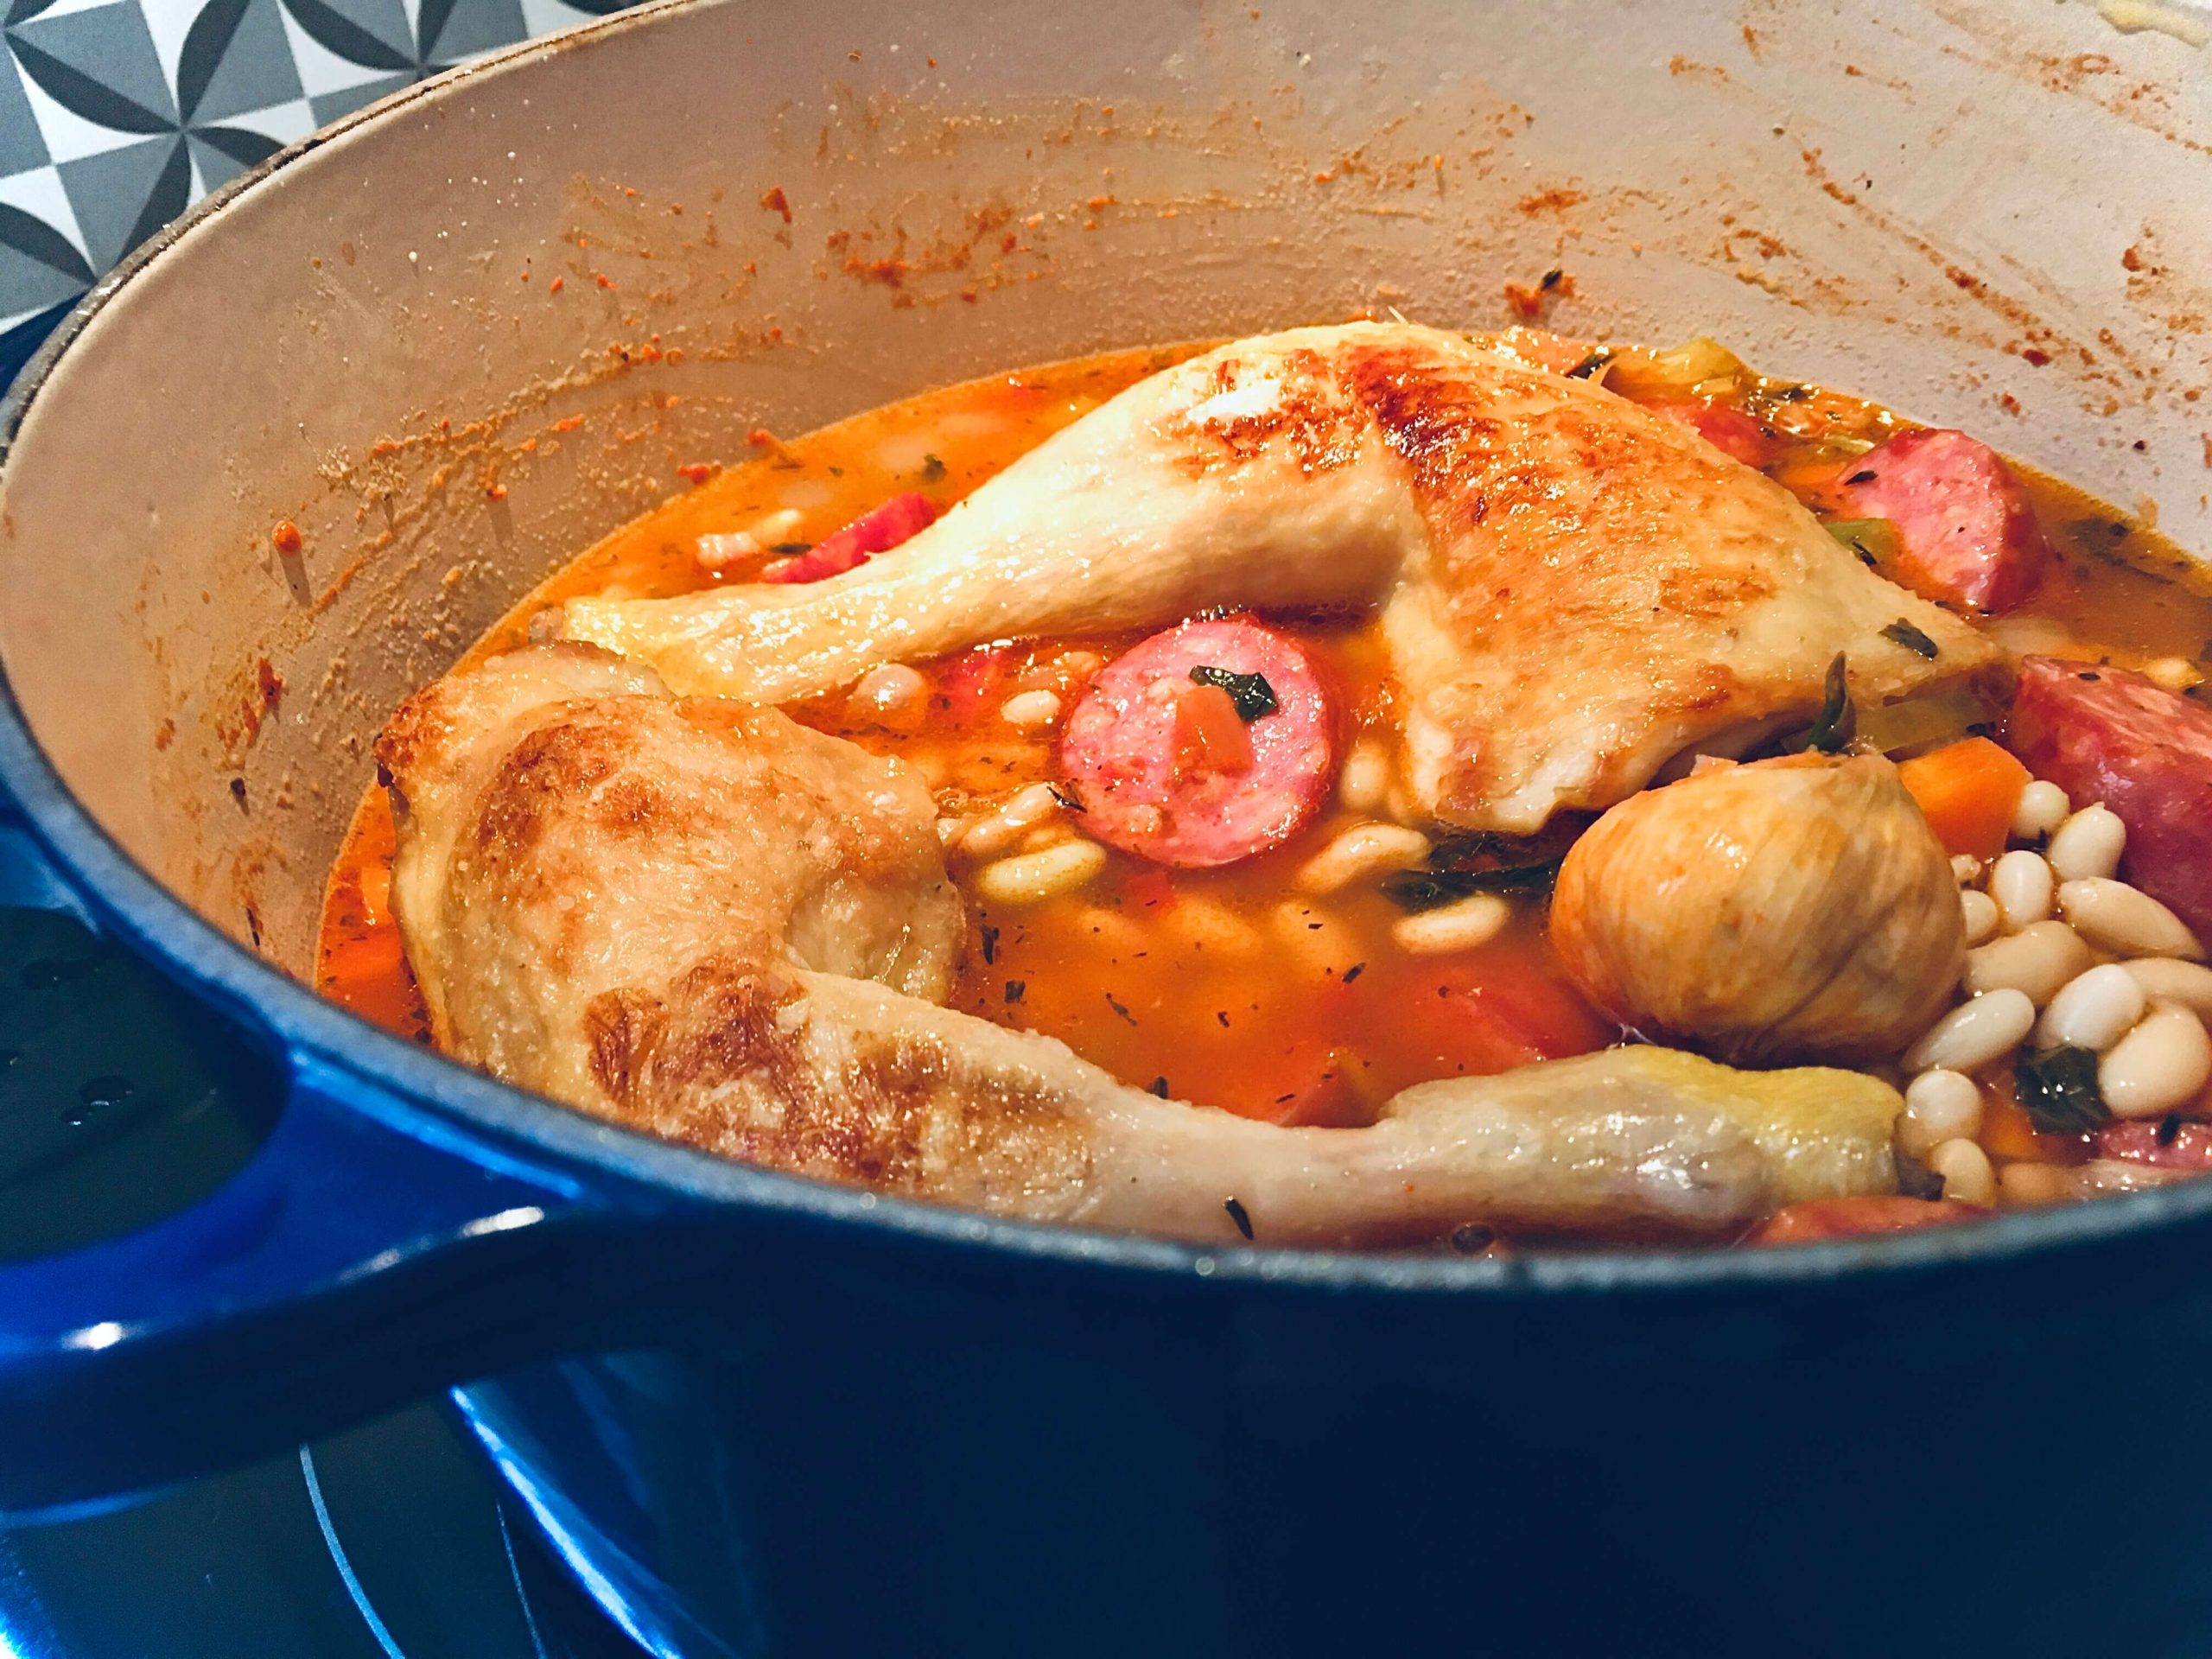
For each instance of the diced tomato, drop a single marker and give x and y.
(1313, 1084)
(1968, 533)
(1476, 1012)
(1727, 429)
(1969, 791)
(1209, 735)
(877, 530)
(1869, 1214)
(974, 681)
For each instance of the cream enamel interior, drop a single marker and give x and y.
(365, 343)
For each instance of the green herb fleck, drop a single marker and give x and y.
(990, 943)
(2058, 1090)
(1902, 632)
(1238, 1214)
(791, 547)
(932, 469)
(1121, 1008)
(1461, 865)
(1874, 540)
(1428, 889)
(1839, 722)
(1160, 1087)
(1592, 365)
(1016, 988)
(1066, 798)
(1251, 693)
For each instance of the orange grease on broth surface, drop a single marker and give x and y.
(1222, 986)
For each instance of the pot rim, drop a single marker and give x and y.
(162, 927)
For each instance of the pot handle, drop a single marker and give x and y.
(346, 1269)
(367, 1254)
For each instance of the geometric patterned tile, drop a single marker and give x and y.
(122, 196)
(235, 58)
(330, 106)
(100, 65)
(39, 264)
(115, 115)
(468, 29)
(38, 190)
(21, 145)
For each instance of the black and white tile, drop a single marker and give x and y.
(116, 115)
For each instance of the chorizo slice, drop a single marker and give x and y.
(1143, 754)
(2109, 735)
(1966, 531)
(877, 530)
(2162, 1142)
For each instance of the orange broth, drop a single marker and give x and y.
(1223, 986)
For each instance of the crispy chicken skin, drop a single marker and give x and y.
(1574, 589)
(704, 921)
(569, 834)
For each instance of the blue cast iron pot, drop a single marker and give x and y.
(759, 1416)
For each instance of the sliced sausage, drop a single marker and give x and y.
(2167, 1143)
(1817, 1219)
(1148, 790)
(877, 530)
(1967, 532)
(2107, 735)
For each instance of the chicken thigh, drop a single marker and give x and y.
(706, 922)
(1573, 588)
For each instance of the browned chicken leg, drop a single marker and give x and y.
(1573, 588)
(707, 922)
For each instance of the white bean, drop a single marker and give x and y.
(1212, 926)
(2125, 921)
(986, 837)
(892, 695)
(1032, 877)
(2092, 1010)
(2035, 1184)
(2035, 960)
(1974, 1033)
(1967, 1177)
(1364, 783)
(1477, 920)
(1363, 851)
(1979, 912)
(2162, 1064)
(1964, 868)
(2043, 808)
(1939, 1106)
(1313, 940)
(1031, 709)
(2020, 883)
(2087, 845)
(2174, 673)
(2165, 980)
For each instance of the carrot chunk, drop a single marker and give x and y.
(1969, 791)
